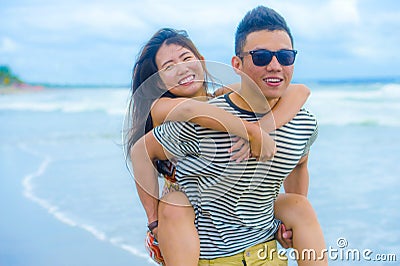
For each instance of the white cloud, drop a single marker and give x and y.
(74, 32)
(321, 18)
(7, 45)
(64, 18)
(375, 39)
(100, 17)
(342, 11)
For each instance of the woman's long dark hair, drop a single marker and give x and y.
(147, 85)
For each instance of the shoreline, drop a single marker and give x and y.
(30, 235)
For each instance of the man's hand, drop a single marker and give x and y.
(284, 237)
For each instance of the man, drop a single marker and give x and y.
(234, 202)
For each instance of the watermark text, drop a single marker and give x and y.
(339, 253)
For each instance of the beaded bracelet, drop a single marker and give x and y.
(152, 225)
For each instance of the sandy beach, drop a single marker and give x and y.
(30, 236)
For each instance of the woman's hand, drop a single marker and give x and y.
(262, 146)
(243, 147)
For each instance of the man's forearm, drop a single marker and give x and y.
(297, 185)
(298, 180)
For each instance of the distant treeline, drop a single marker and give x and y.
(7, 77)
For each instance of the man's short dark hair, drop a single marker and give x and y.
(259, 18)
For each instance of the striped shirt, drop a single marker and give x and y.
(233, 202)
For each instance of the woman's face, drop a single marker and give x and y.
(180, 70)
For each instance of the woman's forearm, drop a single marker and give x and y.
(145, 179)
(261, 144)
(204, 114)
(287, 107)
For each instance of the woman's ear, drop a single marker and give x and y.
(237, 64)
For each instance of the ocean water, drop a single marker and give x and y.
(70, 142)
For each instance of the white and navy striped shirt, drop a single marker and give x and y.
(233, 202)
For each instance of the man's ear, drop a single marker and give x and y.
(237, 64)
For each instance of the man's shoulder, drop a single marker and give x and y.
(303, 120)
(305, 115)
(224, 102)
(220, 100)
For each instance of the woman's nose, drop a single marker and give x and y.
(182, 68)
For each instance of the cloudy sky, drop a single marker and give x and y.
(91, 41)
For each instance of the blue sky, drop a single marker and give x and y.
(85, 42)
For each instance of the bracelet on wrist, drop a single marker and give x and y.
(152, 225)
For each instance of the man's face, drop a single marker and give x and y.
(274, 78)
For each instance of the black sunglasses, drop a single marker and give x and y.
(263, 57)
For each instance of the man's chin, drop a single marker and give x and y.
(273, 93)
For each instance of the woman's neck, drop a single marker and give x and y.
(201, 96)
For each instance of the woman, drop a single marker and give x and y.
(168, 71)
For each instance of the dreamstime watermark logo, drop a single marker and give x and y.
(341, 252)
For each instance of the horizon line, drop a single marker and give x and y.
(359, 80)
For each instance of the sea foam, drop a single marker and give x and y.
(29, 192)
(377, 107)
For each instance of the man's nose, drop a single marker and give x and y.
(274, 64)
